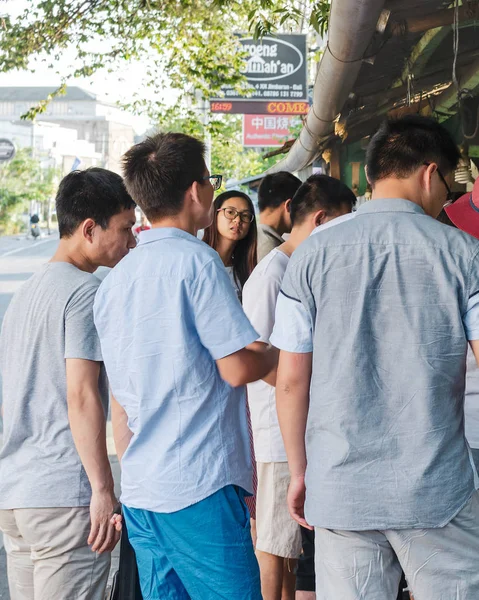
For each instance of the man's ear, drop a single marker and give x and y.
(193, 193)
(287, 205)
(318, 217)
(427, 176)
(366, 173)
(88, 229)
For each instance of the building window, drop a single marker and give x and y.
(20, 108)
(59, 108)
(7, 108)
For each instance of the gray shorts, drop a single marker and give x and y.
(440, 564)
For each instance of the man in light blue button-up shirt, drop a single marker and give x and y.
(373, 324)
(173, 338)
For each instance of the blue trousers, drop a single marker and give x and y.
(203, 552)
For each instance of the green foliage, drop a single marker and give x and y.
(21, 180)
(187, 45)
(268, 16)
(228, 157)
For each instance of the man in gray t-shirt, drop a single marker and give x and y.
(34, 344)
(274, 198)
(56, 487)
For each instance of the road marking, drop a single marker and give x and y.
(34, 245)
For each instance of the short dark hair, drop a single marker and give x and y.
(321, 192)
(94, 193)
(276, 189)
(401, 146)
(159, 170)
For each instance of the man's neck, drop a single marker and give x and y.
(184, 222)
(225, 249)
(274, 220)
(302, 232)
(297, 236)
(69, 251)
(396, 188)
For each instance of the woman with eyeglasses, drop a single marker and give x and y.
(233, 235)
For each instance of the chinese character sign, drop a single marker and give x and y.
(268, 130)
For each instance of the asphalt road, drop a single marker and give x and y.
(19, 259)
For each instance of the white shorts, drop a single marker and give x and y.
(48, 557)
(439, 564)
(278, 533)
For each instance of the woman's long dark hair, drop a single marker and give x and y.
(245, 252)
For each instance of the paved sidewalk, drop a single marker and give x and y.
(12, 244)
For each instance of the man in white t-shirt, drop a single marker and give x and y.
(319, 203)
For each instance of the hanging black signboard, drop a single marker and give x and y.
(275, 68)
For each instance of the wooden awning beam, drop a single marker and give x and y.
(469, 11)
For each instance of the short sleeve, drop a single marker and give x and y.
(293, 331)
(220, 322)
(259, 302)
(81, 337)
(471, 318)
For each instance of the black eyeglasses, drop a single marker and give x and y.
(450, 195)
(215, 181)
(231, 213)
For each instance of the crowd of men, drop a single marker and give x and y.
(350, 349)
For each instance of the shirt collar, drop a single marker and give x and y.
(160, 233)
(333, 222)
(390, 205)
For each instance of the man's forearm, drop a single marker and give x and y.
(87, 422)
(270, 377)
(88, 427)
(121, 432)
(246, 366)
(292, 403)
(258, 364)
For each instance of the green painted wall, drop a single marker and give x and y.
(351, 153)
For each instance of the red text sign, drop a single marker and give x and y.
(268, 130)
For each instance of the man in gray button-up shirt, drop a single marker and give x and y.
(381, 310)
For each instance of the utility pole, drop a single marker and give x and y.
(208, 141)
(204, 110)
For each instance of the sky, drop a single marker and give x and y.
(112, 87)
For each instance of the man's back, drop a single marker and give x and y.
(182, 313)
(385, 438)
(48, 320)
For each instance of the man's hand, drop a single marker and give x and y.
(296, 496)
(104, 532)
(117, 522)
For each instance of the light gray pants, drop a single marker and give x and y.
(48, 557)
(440, 564)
